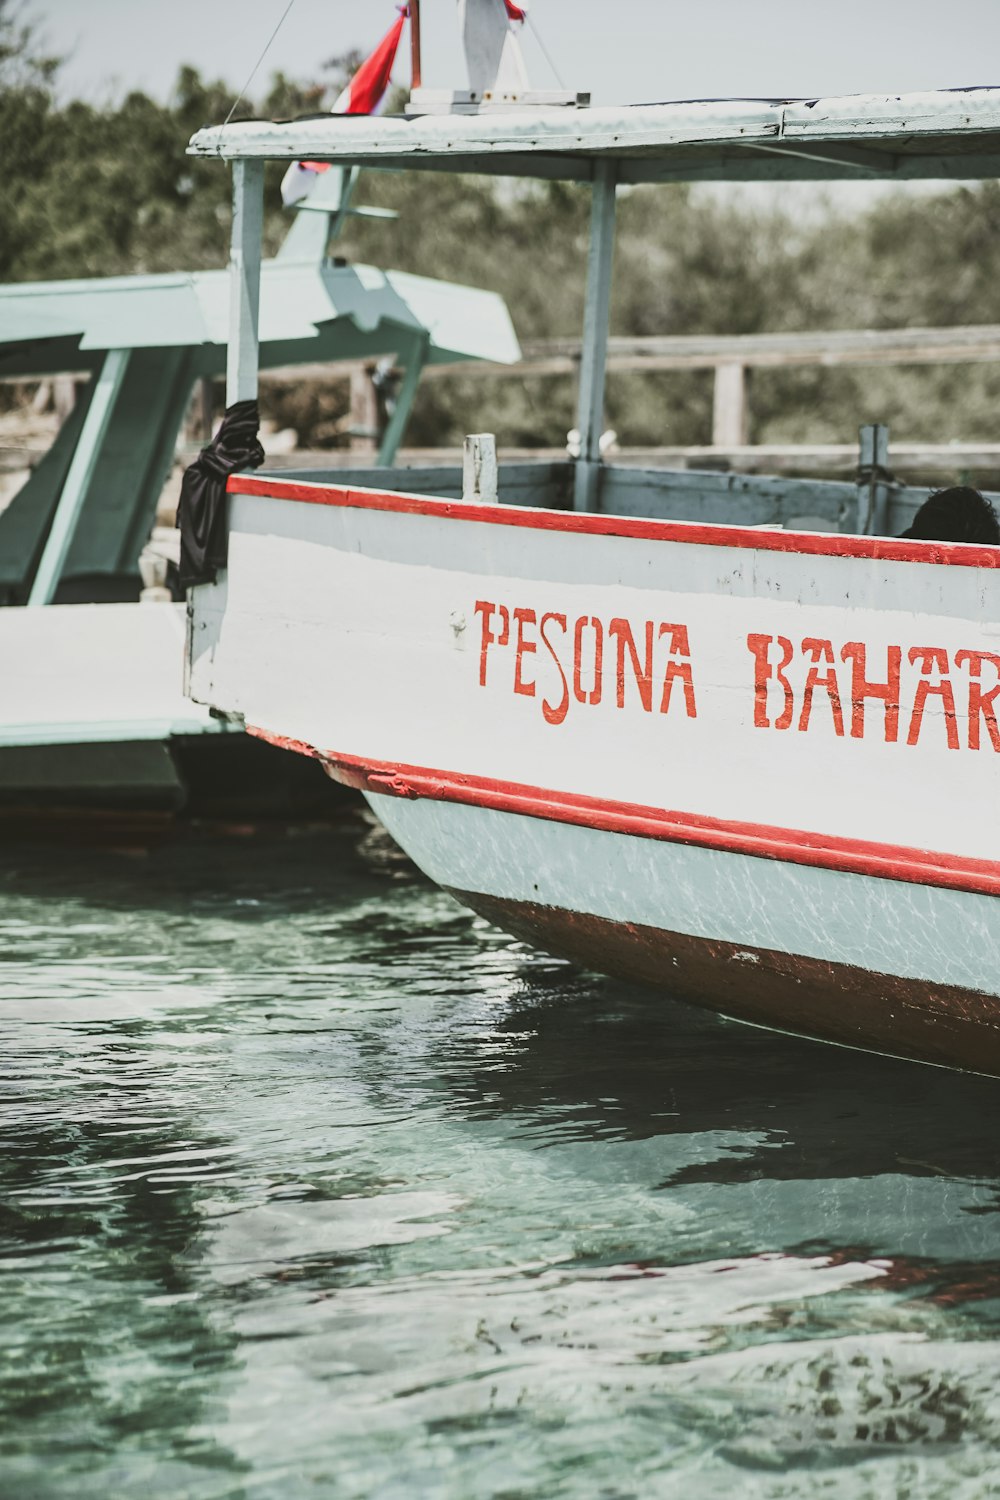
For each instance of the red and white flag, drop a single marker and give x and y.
(515, 12)
(362, 96)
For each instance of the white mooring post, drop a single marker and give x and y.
(244, 281)
(479, 468)
(593, 354)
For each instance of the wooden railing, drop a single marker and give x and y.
(730, 356)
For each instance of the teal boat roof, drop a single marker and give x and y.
(297, 302)
(952, 133)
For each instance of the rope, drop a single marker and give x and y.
(538, 38)
(253, 72)
(545, 51)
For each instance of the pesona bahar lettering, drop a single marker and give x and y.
(895, 694)
(594, 659)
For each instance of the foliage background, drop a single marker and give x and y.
(95, 190)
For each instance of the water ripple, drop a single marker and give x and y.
(313, 1184)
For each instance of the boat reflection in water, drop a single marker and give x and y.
(326, 1176)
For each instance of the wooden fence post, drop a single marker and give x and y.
(730, 421)
(363, 415)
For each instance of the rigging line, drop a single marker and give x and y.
(545, 51)
(253, 71)
(538, 38)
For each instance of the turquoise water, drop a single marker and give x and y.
(315, 1185)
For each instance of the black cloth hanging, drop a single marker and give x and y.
(201, 514)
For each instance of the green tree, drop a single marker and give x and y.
(94, 191)
(26, 105)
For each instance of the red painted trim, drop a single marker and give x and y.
(889, 549)
(793, 845)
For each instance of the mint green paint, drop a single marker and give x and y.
(67, 513)
(23, 525)
(118, 500)
(414, 357)
(175, 329)
(130, 470)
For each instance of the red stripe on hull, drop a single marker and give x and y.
(944, 1024)
(890, 549)
(795, 846)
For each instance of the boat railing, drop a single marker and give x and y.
(732, 356)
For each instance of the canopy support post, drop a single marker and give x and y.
(81, 472)
(416, 358)
(244, 281)
(874, 476)
(593, 354)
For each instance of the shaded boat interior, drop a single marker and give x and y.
(699, 496)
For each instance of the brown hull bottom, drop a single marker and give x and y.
(957, 1028)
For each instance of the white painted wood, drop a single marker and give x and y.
(81, 472)
(358, 631)
(479, 468)
(78, 673)
(945, 134)
(244, 281)
(464, 101)
(590, 402)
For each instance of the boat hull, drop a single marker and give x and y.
(759, 770)
(833, 955)
(94, 725)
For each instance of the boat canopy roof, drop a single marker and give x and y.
(952, 133)
(44, 322)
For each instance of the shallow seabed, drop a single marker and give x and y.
(315, 1185)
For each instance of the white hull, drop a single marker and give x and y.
(885, 927)
(758, 769)
(92, 703)
(879, 964)
(81, 673)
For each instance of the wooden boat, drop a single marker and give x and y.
(758, 768)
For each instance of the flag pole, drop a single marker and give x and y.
(414, 9)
